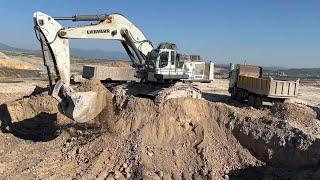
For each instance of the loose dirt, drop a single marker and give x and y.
(182, 138)
(298, 115)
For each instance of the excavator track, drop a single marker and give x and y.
(178, 91)
(158, 93)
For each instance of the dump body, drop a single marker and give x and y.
(268, 86)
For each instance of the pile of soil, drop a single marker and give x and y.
(182, 138)
(298, 115)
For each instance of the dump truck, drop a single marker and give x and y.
(248, 84)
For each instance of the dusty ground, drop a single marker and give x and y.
(213, 138)
(17, 88)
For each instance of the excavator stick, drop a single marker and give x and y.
(79, 106)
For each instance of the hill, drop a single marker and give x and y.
(4, 47)
(83, 53)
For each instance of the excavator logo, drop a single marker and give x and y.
(98, 31)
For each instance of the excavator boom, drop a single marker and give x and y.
(54, 40)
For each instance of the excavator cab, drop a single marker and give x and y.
(162, 61)
(165, 62)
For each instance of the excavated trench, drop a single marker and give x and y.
(180, 139)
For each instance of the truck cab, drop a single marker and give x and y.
(242, 70)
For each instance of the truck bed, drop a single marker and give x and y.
(268, 86)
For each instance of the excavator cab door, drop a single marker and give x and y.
(164, 62)
(167, 64)
(173, 65)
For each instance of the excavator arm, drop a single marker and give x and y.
(55, 47)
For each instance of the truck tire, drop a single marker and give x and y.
(233, 93)
(258, 102)
(240, 95)
(251, 100)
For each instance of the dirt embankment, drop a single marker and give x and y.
(178, 139)
(6, 62)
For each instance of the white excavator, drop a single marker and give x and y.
(162, 65)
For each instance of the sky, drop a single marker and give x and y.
(282, 33)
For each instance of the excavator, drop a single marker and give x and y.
(162, 65)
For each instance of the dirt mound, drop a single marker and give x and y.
(180, 138)
(166, 141)
(34, 117)
(193, 138)
(297, 114)
(14, 64)
(30, 107)
(26, 115)
(90, 85)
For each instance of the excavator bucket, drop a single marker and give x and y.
(83, 106)
(82, 103)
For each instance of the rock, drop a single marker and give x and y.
(111, 158)
(127, 170)
(174, 152)
(121, 169)
(117, 167)
(110, 177)
(166, 176)
(160, 174)
(150, 154)
(125, 165)
(117, 174)
(128, 175)
(226, 176)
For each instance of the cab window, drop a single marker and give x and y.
(153, 55)
(164, 58)
(178, 64)
(172, 57)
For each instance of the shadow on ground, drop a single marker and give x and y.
(42, 127)
(213, 97)
(316, 109)
(38, 90)
(271, 173)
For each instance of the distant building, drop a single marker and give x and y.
(282, 74)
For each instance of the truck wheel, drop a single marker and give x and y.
(240, 95)
(251, 100)
(258, 102)
(233, 93)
